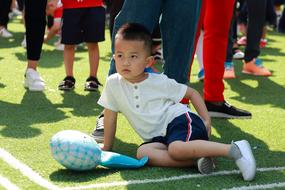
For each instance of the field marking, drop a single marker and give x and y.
(166, 179)
(7, 184)
(26, 170)
(36, 178)
(263, 186)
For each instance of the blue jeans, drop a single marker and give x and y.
(178, 27)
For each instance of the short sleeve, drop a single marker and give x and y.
(107, 98)
(176, 91)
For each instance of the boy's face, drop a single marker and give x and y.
(131, 58)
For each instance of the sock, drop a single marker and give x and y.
(234, 152)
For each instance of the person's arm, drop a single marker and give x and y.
(199, 106)
(52, 32)
(110, 124)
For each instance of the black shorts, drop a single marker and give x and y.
(83, 25)
(185, 127)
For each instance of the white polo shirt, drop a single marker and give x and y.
(149, 106)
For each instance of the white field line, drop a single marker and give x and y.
(36, 178)
(7, 184)
(263, 186)
(25, 170)
(167, 179)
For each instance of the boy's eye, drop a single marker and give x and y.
(119, 55)
(134, 56)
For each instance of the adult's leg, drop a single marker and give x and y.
(281, 24)
(256, 21)
(216, 29)
(144, 12)
(115, 7)
(35, 28)
(178, 28)
(4, 11)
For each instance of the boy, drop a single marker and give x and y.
(54, 9)
(83, 21)
(173, 135)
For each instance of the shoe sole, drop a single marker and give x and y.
(247, 153)
(227, 116)
(98, 139)
(33, 89)
(66, 89)
(91, 90)
(206, 165)
(251, 73)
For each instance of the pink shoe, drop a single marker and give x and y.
(255, 67)
(242, 41)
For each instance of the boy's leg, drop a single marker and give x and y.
(92, 82)
(159, 156)
(239, 151)
(68, 56)
(93, 52)
(180, 150)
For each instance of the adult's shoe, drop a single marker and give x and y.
(225, 110)
(33, 81)
(98, 133)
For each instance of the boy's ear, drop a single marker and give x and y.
(150, 61)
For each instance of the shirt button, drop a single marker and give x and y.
(136, 87)
(137, 97)
(137, 106)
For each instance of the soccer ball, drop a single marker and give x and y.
(75, 150)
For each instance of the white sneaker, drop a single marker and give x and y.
(16, 12)
(59, 47)
(238, 55)
(5, 34)
(246, 163)
(24, 42)
(33, 81)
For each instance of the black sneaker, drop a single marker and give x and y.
(98, 133)
(68, 83)
(205, 165)
(92, 84)
(226, 110)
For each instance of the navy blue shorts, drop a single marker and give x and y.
(83, 25)
(185, 127)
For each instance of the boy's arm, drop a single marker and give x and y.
(110, 124)
(199, 106)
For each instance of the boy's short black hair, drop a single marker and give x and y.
(135, 31)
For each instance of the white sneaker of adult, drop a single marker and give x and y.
(238, 55)
(246, 163)
(24, 42)
(5, 33)
(33, 81)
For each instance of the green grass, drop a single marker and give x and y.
(29, 119)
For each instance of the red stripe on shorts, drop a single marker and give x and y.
(189, 126)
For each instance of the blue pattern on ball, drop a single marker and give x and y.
(75, 150)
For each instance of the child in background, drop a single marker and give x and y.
(83, 21)
(174, 136)
(54, 9)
